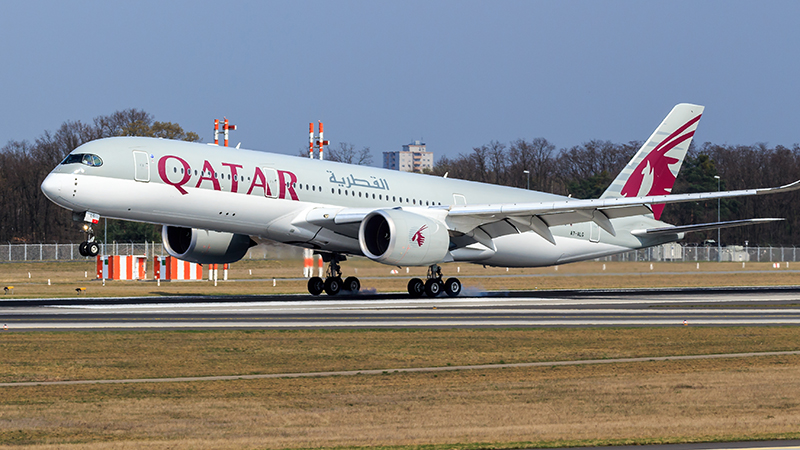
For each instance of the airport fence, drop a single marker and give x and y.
(735, 253)
(69, 252)
(668, 252)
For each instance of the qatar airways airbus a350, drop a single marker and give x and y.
(214, 201)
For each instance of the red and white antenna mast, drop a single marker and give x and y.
(225, 128)
(311, 140)
(313, 143)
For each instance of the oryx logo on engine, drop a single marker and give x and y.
(418, 237)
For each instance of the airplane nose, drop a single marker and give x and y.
(51, 186)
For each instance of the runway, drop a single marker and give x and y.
(688, 307)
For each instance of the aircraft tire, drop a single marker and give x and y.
(452, 287)
(416, 288)
(351, 284)
(433, 287)
(82, 249)
(333, 285)
(92, 249)
(315, 285)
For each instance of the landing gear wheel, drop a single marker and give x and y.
(315, 285)
(82, 249)
(416, 287)
(452, 287)
(351, 284)
(333, 285)
(92, 249)
(433, 287)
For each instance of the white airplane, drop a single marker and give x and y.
(211, 200)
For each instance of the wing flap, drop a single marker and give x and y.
(701, 227)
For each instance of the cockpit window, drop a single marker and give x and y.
(83, 158)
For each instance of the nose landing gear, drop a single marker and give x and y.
(89, 247)
(333, 283)
(434, 285)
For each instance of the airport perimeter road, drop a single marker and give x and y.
(717, 307)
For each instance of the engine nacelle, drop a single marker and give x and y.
(204, 246)
(394, 236)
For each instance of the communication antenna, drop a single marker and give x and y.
(226, 127)
(315, 141)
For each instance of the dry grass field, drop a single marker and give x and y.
(618, 403)
(674, 401)
(255, 277)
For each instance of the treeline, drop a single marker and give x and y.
(583, 171)
(28, 216)
(586, 170)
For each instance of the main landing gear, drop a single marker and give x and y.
(434, 285)
(333, 283)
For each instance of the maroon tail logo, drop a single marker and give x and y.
(653, 175)
(418, 237)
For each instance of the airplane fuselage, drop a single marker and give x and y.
(276, 197)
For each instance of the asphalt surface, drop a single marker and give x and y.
(672, 307)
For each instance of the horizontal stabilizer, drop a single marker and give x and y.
(700, 227)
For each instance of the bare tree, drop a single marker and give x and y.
(347, 153)
(535, 156)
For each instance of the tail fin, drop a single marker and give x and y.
(653, 169)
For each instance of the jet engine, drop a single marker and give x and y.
(397, 237)
(204, 246)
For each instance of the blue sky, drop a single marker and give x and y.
(455, 74)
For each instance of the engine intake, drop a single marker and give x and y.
(204, 246)
(394, 236)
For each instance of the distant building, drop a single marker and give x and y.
(413, 158)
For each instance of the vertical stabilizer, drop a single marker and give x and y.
(653, 169)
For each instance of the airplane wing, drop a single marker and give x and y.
(506, 218)
(539, 217)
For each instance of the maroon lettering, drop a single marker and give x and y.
(212, 176)
(260, 181)
(162, 172)
(234, 175)
(287, 185)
